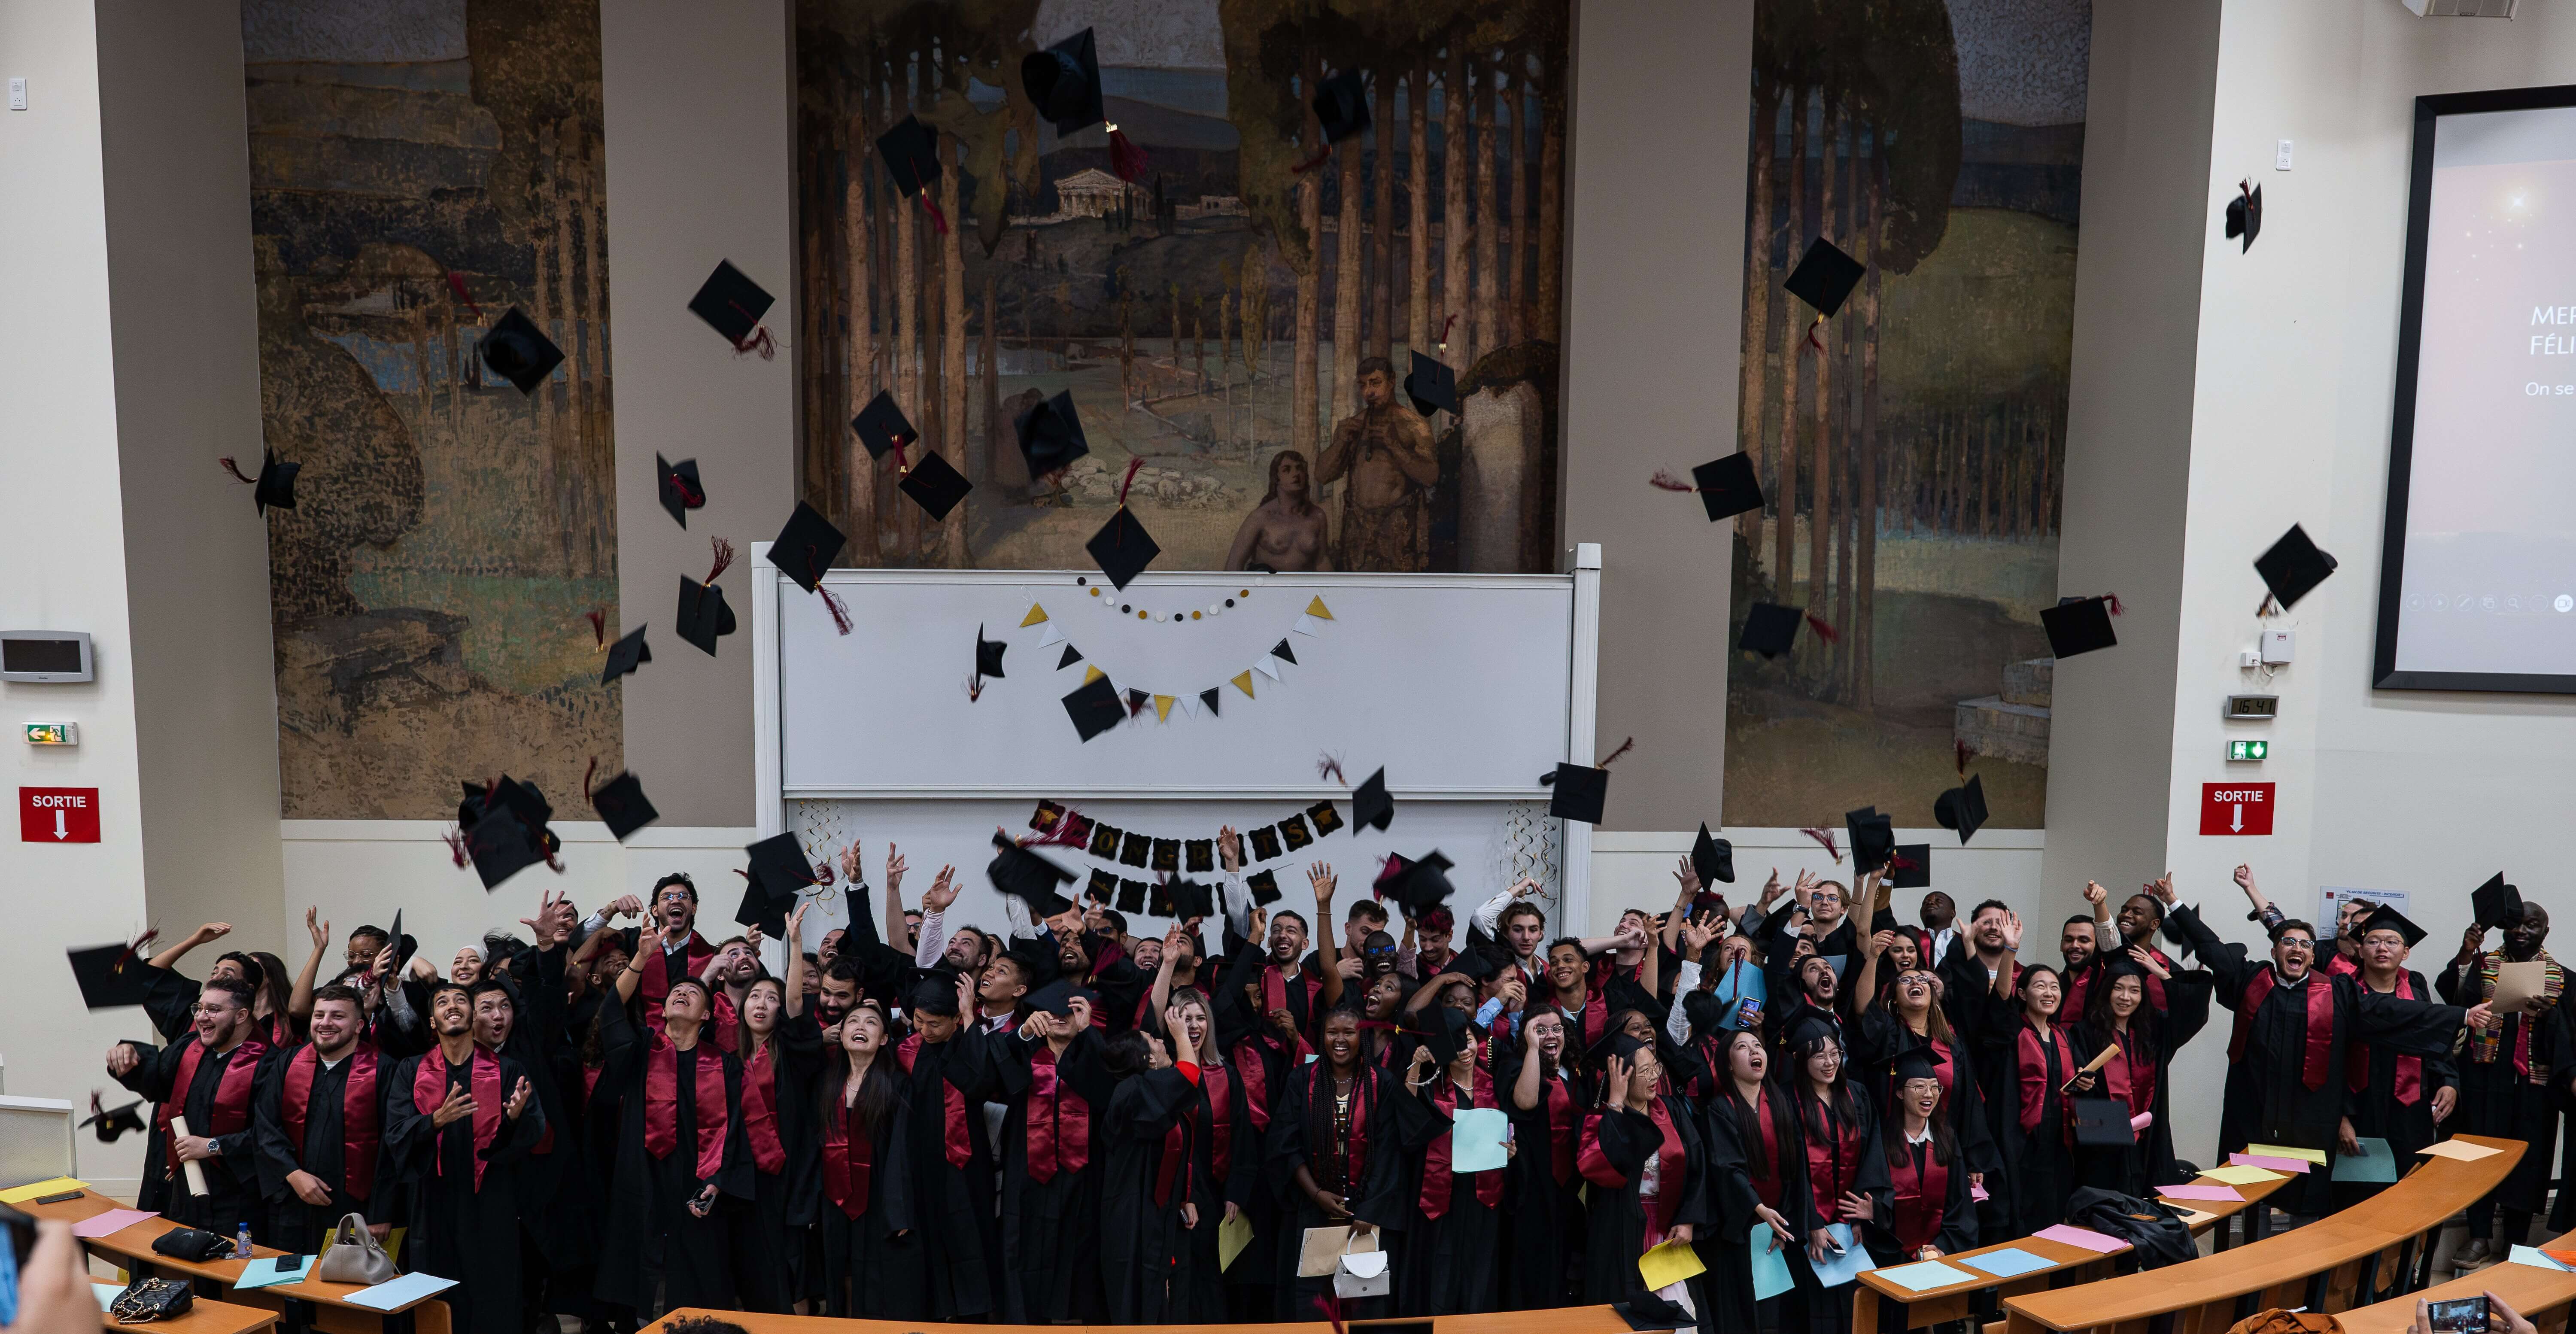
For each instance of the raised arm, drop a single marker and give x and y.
(211, 931)
(2100, 898)
(299, 1002)
(1162, 991)
(2012, 954)
(1327, 948)
(2263, 912)
(796, 959)
(898, 931)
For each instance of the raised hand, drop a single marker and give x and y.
(796, 924)
(2162, 888)
(519, 1095)
(2147, 961)
(894, 869)
(1687, 876)
(1259, 923)
(1770, 890)
(966, 995)
(1081, 1015)
(459, 1105)
(1229, 848)
(121, 1060)
(211, 931)
(1524, 887)
(2094, 893)
(629, 906)
(1320, 875)
(2012, 931)
(1879, 941)
(942, 891)
(1614, 1082)
(850, 861)
(321, 932)
(752, 939)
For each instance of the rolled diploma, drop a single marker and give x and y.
(195, 1170)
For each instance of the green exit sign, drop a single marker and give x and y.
(2249, 750)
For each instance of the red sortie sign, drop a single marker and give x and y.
(2236, 808)
(58, 815)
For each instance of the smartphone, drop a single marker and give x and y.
(14, 1249)
(2468, 1315)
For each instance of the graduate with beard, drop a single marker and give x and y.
(319, 1120)
(1264, 1050)
(459, 1123)
(1543, 1204)
(950, 1159)
(2504, 1075)
(2119, 1011)
(1278, 984)
(1641, 1152)
(1048, 1074)
(2401, 1099)
(670, 948)
(1756, 1172)
(684, 1167)
(1452, 1244)
(1341, 1140)
(208, 1076)
(874, 1265)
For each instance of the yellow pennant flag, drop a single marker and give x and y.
(1036, 614)
(1243, 682)
(1162, 708)
(1317, 609)
(1091, 673)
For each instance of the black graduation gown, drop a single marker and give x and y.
(1050, 1256)
(874, 1265)
(1738, 1178)
(1144, 1247)
(2158, 1035)
(1858, 1164)
(1543, 1214)
(1958, 1231)
(294, 1225)
(1986, 1024)
(953, 1208)
(170, 1001)
(232, 1175)
(1448, 1265)
(458, 1229)
(2040, 1162)
(558, 1223)
(2375, 1111)
(1247, 1284)
(769, 1238)
(1394, 1125)
(1616, 1146)
(2268, 1100)
(1878, 1037)
(2497, 1099)
(649, 1239)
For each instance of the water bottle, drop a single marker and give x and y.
(241, 1242)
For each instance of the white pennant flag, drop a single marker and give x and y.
(1052, 636)
(1189, 704)
(1305, 625)
(1268, 666)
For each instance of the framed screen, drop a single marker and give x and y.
(2477, 588)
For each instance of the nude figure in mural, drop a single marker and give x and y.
(1287, 530)
(1386, 449)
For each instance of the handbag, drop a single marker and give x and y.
(1362, 1274)
(352, 1255)
(147, 1299)
(192, 1243)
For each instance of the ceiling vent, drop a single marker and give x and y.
(2461, 9)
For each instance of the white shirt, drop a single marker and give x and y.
(1922, 1137)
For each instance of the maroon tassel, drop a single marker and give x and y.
(1963, 753)
(1812, 339)
(598, 618)
(135, 950)
(455, 845)
(1064, 833)
(1126, 160)
(1665, 480)
(1329, 766)
(1825, 837)
(759, 342)
(1331, 1306)
(235, 470)
(2113, 602)
(902, 465)
(1129, 480)
(724, 559)
(1445, 326)
(833, 604)
(587, 775)
(1823, 631)
(1313, 162)
(974, 688)
(456, 284)
(823, 873)
(1624, 747)
(1900, 862)
(2269, 607)
(938, 220)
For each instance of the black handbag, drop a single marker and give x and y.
(149, 1299)
(191, 1243)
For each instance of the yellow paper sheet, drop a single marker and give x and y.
(1668, 1264)
(2317, 1156)
(22, 1194)
(2237, 1174)
(1232, 1236)
(2449, 1148)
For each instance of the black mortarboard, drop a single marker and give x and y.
(1131, 893)
(779, 867)
(1056, 997)
(1264, 886)
(911, 153)
(1028, 877)
(2078, 625)
(1105, 839)
(934, 485)
(761, 909)
(1051, 435)
(1431, 385)
(881, 426)
(1442, 1029)
(1962, 808)
(2496, 903)
(703, 614)
(110, 975)
(2102, 1122)
(1138, 851)
(1036, 960)
(1579, 793)
(625, 656)
(500, 846)
(1371, 807)
(1341, 106)
(2293, 567)
(1167, 855)
(988, 655)
(1190, 898)
(534, 812)
(2245, 216)
(517, 352)
(934, 991)
(1418, 885)
(1727, 486)
(2386, 918)
(1873, 837)
(806, 546)
(1064, 82)
(1475, 960)
(1616, 1042)
(1292, 831)
(1265, 842)
(404, 946)
(1824, 277)
(275, 485)
(1199, 854)
(1327, 820)
(620, 802)
(1712, 859)
(678, 483)
(1912, 863)
(1122, 547)
(112, 1121)
(1769, 629)
(730, 302)
(1095, 708)
(1647, 1312)
(1922, 1060)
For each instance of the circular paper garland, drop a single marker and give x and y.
(1117, 603)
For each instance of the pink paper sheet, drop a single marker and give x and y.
(2273, 1164)
(2226, 1193)
(114, 1220)
(2083, 1238)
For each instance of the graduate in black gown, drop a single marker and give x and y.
(558, 1237)
(319, 1124)
(1155, 1194)
(460, 1121)
(1847, 1181)
(1342, 1137)
(1543, 1205)
(1263, 1048)
(2401, 1099)
(2504, 1076)
(1450, 1261)
(781, 1052)
(1222, 1173)
(1641, 1153)
(1911, 1016)
(1048, 1073)
(1930, 1212)
(2120, 1011)
(873, 1263)
(1756, 1172)
(209, 1077)
(684, 1174)
(950, 1158)
(2037, 1057)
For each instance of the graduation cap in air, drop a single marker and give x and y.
(1122, 547)
(404, 946)
(1417, 885)
(1057, 997)
(1431, 385)
(1712, 859)
(1912, 866)
(2078, 625)
(703, 613)
(778, 866)
(1579, 792)
(533, 810)
(988, 654)
(111, 975)
(679, 486)
(1063, 81)
(2385, 918)
(625, 656)
(112, 1121)
(1727, 486)
(911, 153)
(1028, 877)
(1873, 837)
(275, 485)
(2293, 567)
(1825, 277)
(1962, 808)
(882, 427)
(1050, 435)
(500, 846)
(2102, 1122)
(1191, 898)
(518, 352)
(1442, 1029)
(731, 304)
(621, 804)
(806, 546)
(1769, 629)
(2245, 214)
(1341, 106)
(934, 485)
(2495, 903)
(1371, 807)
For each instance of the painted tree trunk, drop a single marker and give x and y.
(1417, 189)
(1792, 368)
(1454, 301)
(1757, 313)
(1820, 474)
(862, 361)
(952, 373)
(1381, 304)
(1488, 221)
(1350, 242)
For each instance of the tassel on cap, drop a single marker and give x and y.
(1823, 631)
(723, 559)
(598, 618)
(456, 284)
(1624, 747)
(235, 469)
(1825, 837)
(1126, 160)
(1329, 765)
(1665, 479)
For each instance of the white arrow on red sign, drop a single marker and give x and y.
(61, 830)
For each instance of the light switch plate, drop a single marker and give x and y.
(17, 94)
(2281, 157)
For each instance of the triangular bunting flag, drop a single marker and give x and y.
(1242, 682)
(1305, 625)
(1162, 708)
(1208, 697)
(1135, 701)
(1318, 610)
(1189, 705)
(1036, 614)
(1091, 674)
(1281, 652)
(1053, 635)
(1267, 666)
(1071, 656)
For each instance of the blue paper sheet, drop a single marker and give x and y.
(2374, 1163)
(1770, 1267)
(2010, 1262)
(1924, 1275)
(1851, 1264)
(1742, 982)
(269, 1271)
(1476, 1140)
(393, 1293)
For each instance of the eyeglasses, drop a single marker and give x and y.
(202, 1008)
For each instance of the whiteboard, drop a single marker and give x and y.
(1461, 686)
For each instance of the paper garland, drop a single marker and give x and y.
(1062, 826)
(1212, 698)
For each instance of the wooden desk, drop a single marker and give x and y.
(205, 1317)
(2302, 1268)
(2541, 1296)
(130, 1249)
(1559, 1320)
(1904, 1308)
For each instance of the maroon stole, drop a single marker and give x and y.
(1922, 1197)
(1437, 1179)
(1833, 1165)
(662, 1105)
(1319, 1103)
(1595, 1017)
(2130, 1077)
(760, 1110)
(2313, 1062)
(1766, 1185)
(357, 1113)
(232, 1095)
(2410, 1069)
(957, 1142)
(2040, 1065)
(656, 985)
(1563, 1127)
(2339, 966)
(429, 1089)
(1176, 1141)
(848, 1159)
(2155, 984)
(1220, 1135)
(1059, 1121)
(1668, 1194)
(1274, 992)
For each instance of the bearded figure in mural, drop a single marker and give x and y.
(1387, 452)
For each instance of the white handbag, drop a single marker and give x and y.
(1362, 1274)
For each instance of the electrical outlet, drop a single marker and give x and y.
(2281, 157)
(2249, 658)
(17, 94)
